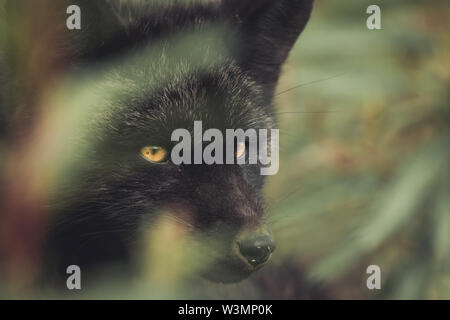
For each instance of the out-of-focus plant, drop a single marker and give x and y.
(364, 176)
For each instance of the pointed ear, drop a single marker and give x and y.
(270, 29)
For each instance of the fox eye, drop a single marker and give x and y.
(154, 154)
(240, 149)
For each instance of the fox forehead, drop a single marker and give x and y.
(222, 98)
(161, 88)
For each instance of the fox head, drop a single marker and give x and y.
(158, 67)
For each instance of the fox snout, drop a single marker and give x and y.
(226, 210)
(248, 252)
(256, 248)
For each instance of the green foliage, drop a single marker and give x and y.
(365, 161)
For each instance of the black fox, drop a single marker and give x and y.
(159, 66)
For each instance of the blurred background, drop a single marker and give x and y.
(364, 173)
(364, 177)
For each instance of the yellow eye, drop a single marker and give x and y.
(154, 154)
(240, 149)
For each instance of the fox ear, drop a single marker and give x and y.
(270, 29)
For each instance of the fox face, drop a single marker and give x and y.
(158, 68)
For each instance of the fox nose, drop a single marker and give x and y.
(257, 249)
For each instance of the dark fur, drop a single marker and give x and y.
(109, 199)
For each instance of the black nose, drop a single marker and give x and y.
(257, 250)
